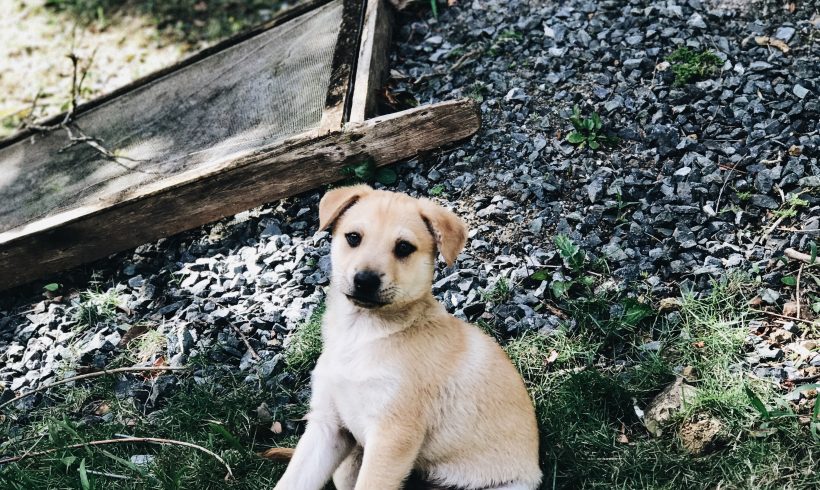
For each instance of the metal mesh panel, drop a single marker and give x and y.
(250, 95)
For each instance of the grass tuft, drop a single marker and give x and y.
(306, 344)
(689, 66)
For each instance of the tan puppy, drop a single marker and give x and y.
(401, 385)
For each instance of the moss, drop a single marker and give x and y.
(689, 66)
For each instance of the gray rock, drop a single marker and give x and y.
(800, 91)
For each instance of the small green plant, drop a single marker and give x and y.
(509, 35)
(588, 131)
(434, 8)
(305, 344)
(689, 66)
(499, 293)
(744, 195)
(97, 306)
(51, 287)
(791, 207)
(367, 172)
(437, 190)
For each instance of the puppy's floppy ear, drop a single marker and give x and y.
(337, 201)
(449, 230)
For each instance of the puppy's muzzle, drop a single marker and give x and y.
(366, 288)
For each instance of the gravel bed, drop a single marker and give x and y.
(695, 187)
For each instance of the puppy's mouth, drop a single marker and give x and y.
(366, 302)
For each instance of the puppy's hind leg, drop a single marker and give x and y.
(344, 478)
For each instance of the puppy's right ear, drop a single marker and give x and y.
(337, 201)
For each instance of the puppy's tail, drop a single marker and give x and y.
(283, 454)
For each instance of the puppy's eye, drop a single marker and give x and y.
(403, 249)
(353, 239)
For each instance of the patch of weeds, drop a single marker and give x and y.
(500, 292)
(592, 436)
(509, 35)
(216, 412)
(96, 306)
(305, 344)
(367, 172)
(147, 345)
(689, 66)
(792, 207)
(744, 195)
(437, 190)
(477, 91)
(588, 131)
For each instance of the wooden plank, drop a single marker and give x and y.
(245, 97)
(340, 87)
(372, 67)
(199, 196)
(279, 19)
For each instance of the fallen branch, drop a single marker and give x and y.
(245, 340)
(794, 254)
(785, 317)
(151, 440)
(92, 375)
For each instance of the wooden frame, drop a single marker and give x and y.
(200, 195)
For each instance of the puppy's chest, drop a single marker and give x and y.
(363, 391)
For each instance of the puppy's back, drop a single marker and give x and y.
(484, 418)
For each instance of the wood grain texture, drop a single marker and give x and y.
(339, 91)
(372, 67)
(193, 198)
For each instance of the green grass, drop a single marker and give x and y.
(500, 292)
(219, 415)
(689, 66)
(584, 405)
(96, 306)
(305, 344)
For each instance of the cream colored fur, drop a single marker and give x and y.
(406, 386)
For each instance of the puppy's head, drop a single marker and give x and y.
(385, 244)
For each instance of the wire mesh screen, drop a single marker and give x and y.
(250, 95)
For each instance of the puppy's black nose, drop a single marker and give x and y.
(367, 282)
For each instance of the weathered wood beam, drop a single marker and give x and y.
(191, 199)
(372, 67)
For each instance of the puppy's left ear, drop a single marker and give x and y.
(335, 202)
(449, 230)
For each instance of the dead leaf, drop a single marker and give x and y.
(276, 427)
(795, 150)
(790, 309)
(791, 7)
(102, 409)
(450, 3)
(771, 41)
(667, 304)
(699, 344)
(552, 357)
(622, 438)
(134, 332)
(688, 372)
(755, 301)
